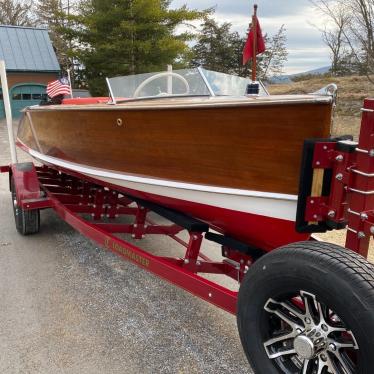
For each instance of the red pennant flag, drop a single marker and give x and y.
(248, 48)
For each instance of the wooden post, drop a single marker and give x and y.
(317, 186)
(254, 31)
(8, 112)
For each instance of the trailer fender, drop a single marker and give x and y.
(26, 182)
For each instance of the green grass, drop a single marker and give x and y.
(351, 93)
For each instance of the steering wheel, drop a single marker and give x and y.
(160, 75)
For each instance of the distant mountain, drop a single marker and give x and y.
(288, 78)
(318, 71)
(280, 79)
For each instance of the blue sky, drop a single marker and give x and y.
(305, 46)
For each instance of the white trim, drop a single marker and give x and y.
(111, 92)
(280, 209)
(206, 81)
(280, 206)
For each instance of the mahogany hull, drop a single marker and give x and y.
(256, 148)
(235, 167)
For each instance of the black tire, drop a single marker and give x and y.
(338, 282)
(27, 221)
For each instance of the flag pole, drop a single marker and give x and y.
(254, 31)
(69, 78)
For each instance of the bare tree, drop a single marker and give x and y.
(335, 35)
(362, 29)
(16, 12)
(352, 33)
(276, 54)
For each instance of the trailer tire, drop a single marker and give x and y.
(331, 285)
(27, 221)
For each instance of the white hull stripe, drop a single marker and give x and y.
(273, 205)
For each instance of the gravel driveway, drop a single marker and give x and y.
(69, 307)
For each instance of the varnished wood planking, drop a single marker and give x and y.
(256, 148)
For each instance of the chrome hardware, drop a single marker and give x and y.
(233, 263)
(353, 212)
(351, 230)
(362, 192)
(361, 235)
(330, 90)
(364, 216)
(331, 213)
(362, 150)
(369, 175)
(339, 158)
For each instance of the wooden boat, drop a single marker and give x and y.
(232, 161)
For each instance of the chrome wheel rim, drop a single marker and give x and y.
(308, 337)
(15, 202)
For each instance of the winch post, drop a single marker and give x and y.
(361, 199)
(347, 198)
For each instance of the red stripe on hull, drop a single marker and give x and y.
(263, 232)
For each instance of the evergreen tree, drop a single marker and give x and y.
(218, 48)
(54, 15)
(121, 37)
(347, 65)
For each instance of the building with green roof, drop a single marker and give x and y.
(31, 63)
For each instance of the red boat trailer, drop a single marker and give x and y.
(72, 197)
(346, 200)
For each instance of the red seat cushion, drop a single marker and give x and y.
(85, 100)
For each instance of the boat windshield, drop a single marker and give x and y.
(183, 82)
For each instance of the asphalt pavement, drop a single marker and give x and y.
(68, 306)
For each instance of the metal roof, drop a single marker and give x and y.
(27, 49)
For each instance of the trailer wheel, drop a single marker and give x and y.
(27, 221)
(308, 308)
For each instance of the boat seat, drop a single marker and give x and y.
(85, 100)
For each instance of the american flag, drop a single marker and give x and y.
(58, 87)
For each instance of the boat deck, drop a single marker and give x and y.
(195, 102)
